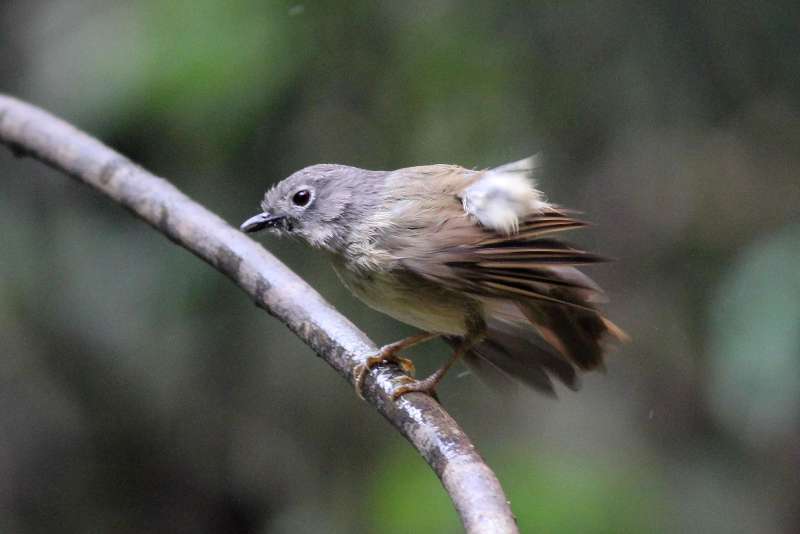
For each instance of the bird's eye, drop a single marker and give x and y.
(301, 198)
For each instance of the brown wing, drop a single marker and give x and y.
(530, 268)
(526, 265)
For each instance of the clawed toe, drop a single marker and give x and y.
(360, 372)
(388, 354)
(385, 355)
(405, 364)
(427, 386)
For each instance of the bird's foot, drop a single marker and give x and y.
(426, 385)
(386, 354)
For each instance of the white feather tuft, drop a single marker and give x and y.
(503, 196)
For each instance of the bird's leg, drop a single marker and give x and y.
(388, 353)
(428, 385)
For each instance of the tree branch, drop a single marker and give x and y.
(472, 486)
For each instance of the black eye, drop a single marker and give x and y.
(301, 198)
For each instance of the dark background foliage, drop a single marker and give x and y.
(141, 392)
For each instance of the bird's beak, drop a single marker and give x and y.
(261, 221)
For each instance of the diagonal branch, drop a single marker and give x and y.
(473, 487)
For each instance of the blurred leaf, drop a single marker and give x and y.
(554, 493)
(755, 341)
(407, 497)
(548, 493)
(205, 67)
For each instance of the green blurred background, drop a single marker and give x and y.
(140, 391)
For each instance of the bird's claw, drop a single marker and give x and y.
(426, 385)
(384, 355)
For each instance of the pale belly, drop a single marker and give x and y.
(411, 300)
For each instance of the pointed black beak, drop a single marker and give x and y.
(259, 222)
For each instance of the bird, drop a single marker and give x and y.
(470, 256)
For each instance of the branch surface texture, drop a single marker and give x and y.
(473, 487)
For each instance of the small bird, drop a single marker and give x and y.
(466, 255)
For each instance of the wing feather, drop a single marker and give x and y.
(527, 268)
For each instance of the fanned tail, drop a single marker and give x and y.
(549, 323)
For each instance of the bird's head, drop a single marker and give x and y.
(315, 203)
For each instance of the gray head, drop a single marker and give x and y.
(317, 204)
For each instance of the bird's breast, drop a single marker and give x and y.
(410, 299)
